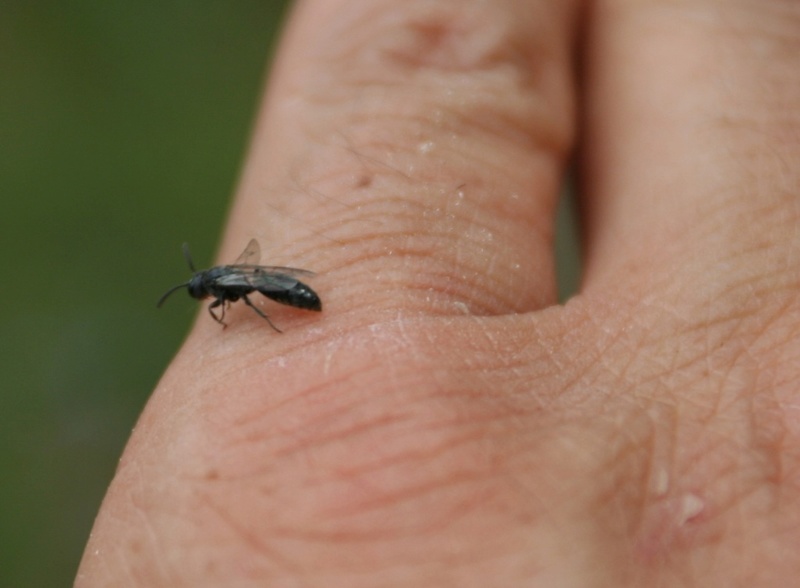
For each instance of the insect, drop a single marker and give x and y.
(229, 283)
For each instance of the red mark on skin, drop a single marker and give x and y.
(672, 523)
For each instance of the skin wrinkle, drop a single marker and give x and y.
(459, 107)
(411, 213)
(736, 312)
(484, 370)
(453, 295)
(440, 43)
(383, 149)
(661, 459)
(473, 40)
(514, 124)
(422, 570)
(375, 502)
(318, 440)
(621, 372)
(363, 216)
(306, 397)
(309, 181)
(769, 433)
(292, 532)
(652, 466)
(573, 375)
(251, 429)
(294, 442)
(722, 466)
(627, 499)
(351, 432)
(718, 220)
(255, 546)
(435, 450)
(463, 212)
(660, 378)
(128, 556)
(393, 138)
(336, 173)
(735, 319)
(131, 568)
(735, 355)
(618, 387)
(755, 288)
(162, 569)
(680, 369)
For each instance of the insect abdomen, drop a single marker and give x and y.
(299, 296)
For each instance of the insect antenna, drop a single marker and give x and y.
(188, 257)
(170, 291)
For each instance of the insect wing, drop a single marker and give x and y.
(251, 254)
(269, 278)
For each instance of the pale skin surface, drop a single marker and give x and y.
(444, 422)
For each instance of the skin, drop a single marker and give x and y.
(444, 422)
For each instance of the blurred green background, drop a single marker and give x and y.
(122, 128)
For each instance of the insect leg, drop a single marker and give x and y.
(212, 306)
(251, 305)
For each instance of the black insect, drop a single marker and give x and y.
(229, 283)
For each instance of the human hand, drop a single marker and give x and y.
(443, 422)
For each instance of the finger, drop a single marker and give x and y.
(692, 120)
(411, 153)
